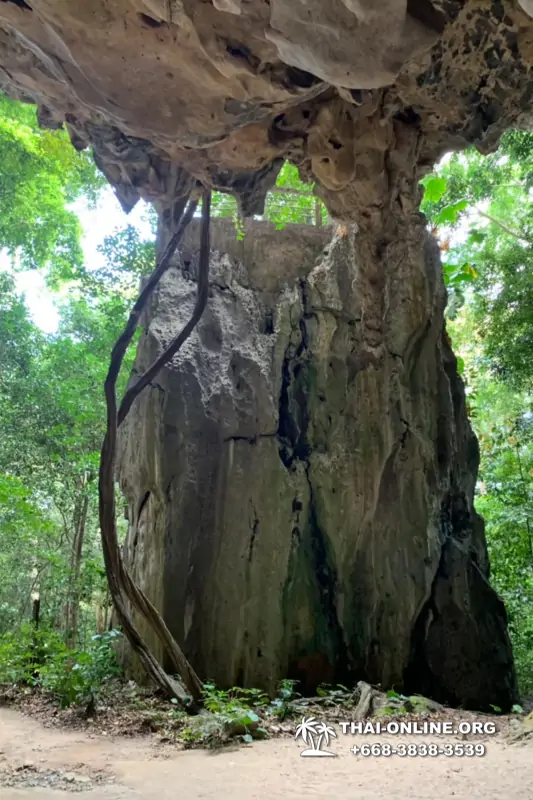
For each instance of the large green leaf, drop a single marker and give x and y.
(435, 189)
(450, 214)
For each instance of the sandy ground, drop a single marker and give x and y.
(48, 764)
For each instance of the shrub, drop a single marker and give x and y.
(40, 658)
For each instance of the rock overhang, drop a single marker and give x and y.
(361, 97)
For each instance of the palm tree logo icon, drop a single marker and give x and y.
(314, 733)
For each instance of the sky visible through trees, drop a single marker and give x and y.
(97, 223)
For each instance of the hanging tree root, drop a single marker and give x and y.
(122, 588)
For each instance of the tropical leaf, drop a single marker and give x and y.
(435, 188)
(450, 214)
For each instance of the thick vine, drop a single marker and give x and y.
(124, 591)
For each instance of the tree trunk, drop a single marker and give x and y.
(73, 598)
(300, 479)
(36, 612)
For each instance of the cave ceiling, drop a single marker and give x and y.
(361, 96)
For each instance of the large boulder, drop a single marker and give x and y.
(300, 479)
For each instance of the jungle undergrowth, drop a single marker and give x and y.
(87, 689)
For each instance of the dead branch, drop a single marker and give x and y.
(503, 226)
(123, 589)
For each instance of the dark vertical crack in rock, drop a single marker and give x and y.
(254, 530)
(142, 505)
(295, 446)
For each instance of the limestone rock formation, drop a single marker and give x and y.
(357, 44)
(300, 478)
(154, 85)
(301, 481)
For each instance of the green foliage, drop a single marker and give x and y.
(232, 715)
(230, 700)
(237, 712)
(78, 676)
(52, 412)
(51, 401)
(282, 706)
(20, 654)
(40, 659)
(481, 205)
(41, 175)
(292, 201)
(481, 209)
(503, 420)
(449, 215)
(434, 189)
(457, 272)
(287, 689)
(24, 529)
(392, 694)
(128, 258)
(335, 695)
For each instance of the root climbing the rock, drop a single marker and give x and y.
(122, 588)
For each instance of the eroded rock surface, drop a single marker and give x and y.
(227, 89)
(300, 479)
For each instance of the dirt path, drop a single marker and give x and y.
(38, 763)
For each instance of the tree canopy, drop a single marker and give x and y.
(482, 208)
(41, 175)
